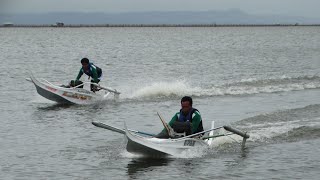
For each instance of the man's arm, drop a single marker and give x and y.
(173, 119)
(95, 75)
(196, 121)
(79, 74)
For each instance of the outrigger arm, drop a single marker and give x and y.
(119, 130)
(238, 132)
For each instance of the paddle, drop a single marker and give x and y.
(105, 88)
(119, 130)
(168, 128)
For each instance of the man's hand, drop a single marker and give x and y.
(94, 88)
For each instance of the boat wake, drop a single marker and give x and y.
(284, 126)
(243, 87)
(165, 89)
(194, 153)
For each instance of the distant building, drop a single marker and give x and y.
(58, 24)
(7, 24)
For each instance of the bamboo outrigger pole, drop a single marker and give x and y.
(236, 131)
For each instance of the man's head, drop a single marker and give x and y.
(186, 104)
(85, 63)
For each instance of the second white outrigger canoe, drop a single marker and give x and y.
(72, 95)
(147, 145)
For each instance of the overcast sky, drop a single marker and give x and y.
(306, 8)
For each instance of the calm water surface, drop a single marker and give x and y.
(264, 80)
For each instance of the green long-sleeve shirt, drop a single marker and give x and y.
(92, 73)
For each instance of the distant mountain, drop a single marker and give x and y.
(158, 17)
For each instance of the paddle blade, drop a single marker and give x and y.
(167, 127)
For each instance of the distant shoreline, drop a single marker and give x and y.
(152, 25)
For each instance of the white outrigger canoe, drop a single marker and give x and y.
(147, 145)
(72, 95)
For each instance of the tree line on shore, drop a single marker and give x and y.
(152, 25)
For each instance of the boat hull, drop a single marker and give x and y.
(65, 95)
(154, 147)
(51, 96)
(146, 144)
(137, 148)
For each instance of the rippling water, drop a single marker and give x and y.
(264, 80)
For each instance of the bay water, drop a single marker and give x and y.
(263, 80)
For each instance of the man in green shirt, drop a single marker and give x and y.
(188, 120)
(92, 71)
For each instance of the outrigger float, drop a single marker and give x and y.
(147, 144)
(71, 95)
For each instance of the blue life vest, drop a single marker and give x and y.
(188, 119)
(183, 118)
